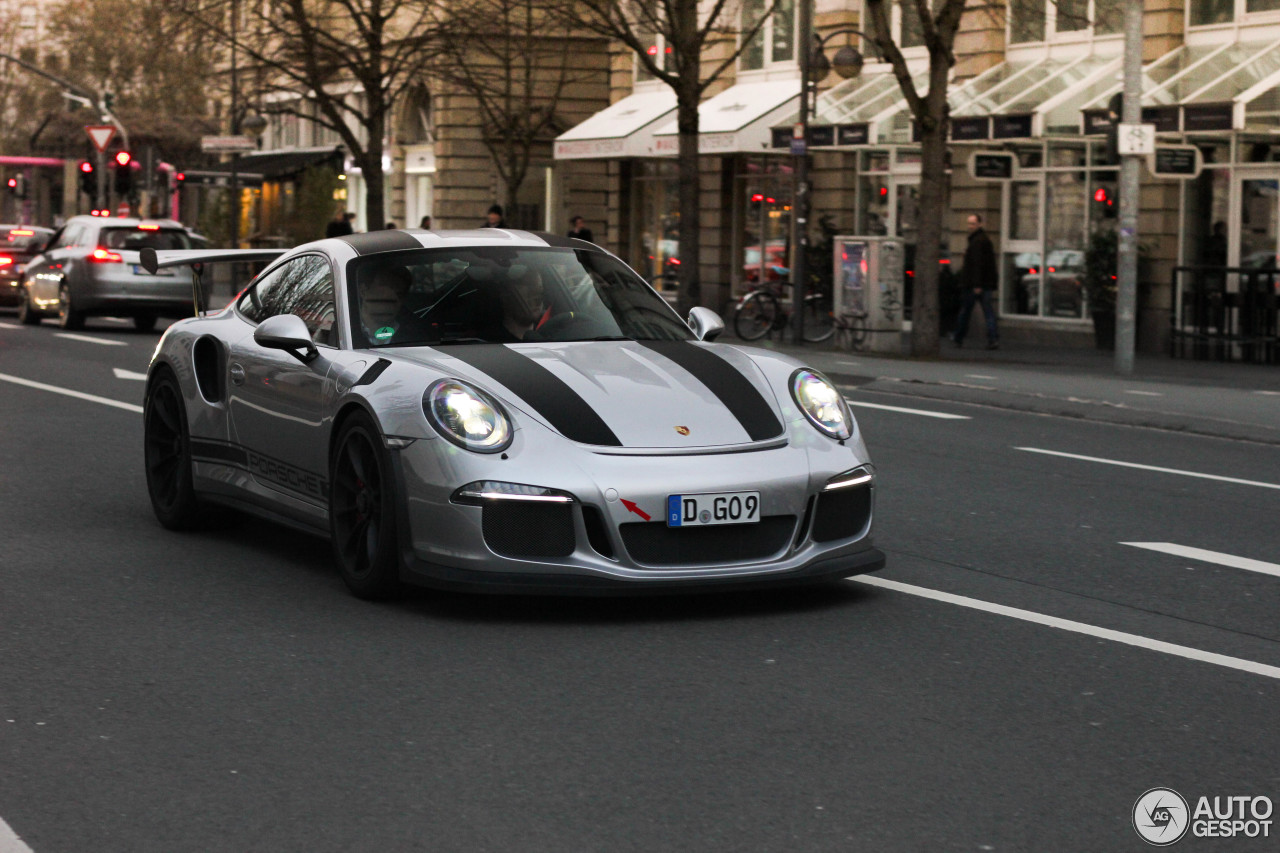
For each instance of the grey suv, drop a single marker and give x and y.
(91, 268)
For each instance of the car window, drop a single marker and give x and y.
(500, 294)
(70, 237)
(138, 237)
(303, 286)
(22, 239)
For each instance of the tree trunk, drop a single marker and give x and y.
(374, 183)
(690, 294)
(933, 196)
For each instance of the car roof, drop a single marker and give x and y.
(26, 227)
(400, 239)
(125, 221)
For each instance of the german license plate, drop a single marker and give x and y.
(138, 269)
(715, 508)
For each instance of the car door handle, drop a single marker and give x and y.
(237, 374)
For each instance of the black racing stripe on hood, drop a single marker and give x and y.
(725, 381)
(545, 392)
(372, 242)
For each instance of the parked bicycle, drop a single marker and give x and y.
(766, 309)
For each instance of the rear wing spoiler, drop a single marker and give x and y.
(153, 260)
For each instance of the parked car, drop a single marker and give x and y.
(91, 269)
(370, 388)
(18, 245)
(774, 264)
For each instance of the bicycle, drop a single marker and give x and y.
(762, 311)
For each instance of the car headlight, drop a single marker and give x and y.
(821, 403)
(467, 417)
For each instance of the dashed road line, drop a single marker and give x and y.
(1252, 667)
(1218, 557)
(9, 326)
(1268, 393)
(1144, 393)
(79, 395)
(71, 336)
(9, 840)
(121, 373)
(1197, 474)
(923, 412)
(978, 376)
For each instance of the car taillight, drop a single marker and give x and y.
(104, 256)
(5, 260)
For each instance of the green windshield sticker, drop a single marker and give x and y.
(384, 333)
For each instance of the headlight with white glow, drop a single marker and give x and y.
(821, 403)
(467, 417)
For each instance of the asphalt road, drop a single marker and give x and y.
(1014, 680)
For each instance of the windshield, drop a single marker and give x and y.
(498, 294)
(135, 239)
(22, 239)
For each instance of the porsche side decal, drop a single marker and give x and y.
(724, 380)
(273, 470)
(545, 392)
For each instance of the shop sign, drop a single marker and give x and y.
(973, 127)
(780, 137)
(853, 134)
(1208, 117)
(992, 165)
(822, 134)
(1164, 118)
(1182, 162)
(1011, 127)
(224, 144)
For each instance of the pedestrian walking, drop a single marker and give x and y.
(494, 218)
(339, 226)
(390, 226)
(977, 283)
(425, 224)
(578, 229)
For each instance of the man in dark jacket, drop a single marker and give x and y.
(978, 281)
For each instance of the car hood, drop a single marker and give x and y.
(622, 394)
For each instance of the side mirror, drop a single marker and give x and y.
(706, 324)
(289, 333)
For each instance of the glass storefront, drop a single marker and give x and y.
(762, 194)
(655, 238)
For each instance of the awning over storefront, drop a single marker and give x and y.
(624, 129)
(1030, 98)
(253, 169)
(739, 119)
(860, 111)
(1228, 86)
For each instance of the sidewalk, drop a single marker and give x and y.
(1236, 401)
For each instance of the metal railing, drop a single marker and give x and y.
(1226, 314)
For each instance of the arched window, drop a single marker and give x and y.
(417, 121)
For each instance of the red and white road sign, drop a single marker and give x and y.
(101, 134)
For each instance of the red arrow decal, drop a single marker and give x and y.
(630, 505)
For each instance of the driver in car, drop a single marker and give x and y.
(523, 306)
(383, 313)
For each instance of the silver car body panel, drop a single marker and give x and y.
(261, 436)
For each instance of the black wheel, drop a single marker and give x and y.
(167, 449)
(27, 313)
(144, 322)
(756, 316)
(362, 511)
(819, 324)
(68, 317)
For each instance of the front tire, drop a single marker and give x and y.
(362, 511)
(167, 449)
(68, 317)
(27, 313)
(756, 316)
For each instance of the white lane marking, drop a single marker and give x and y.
(121, 373)
(1144, 393)
(1269, 393)
(1221, 559)
(1151, 468)
(79, 395)
(11, 326)
(1077, 627)
(9, 840)
(74, 337)
(978, 376)
(841, 363)
(927, 414)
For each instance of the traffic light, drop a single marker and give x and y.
(1115, 110)
(124, 173)
(88, 179)
(18, 185)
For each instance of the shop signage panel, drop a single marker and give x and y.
(1207, 117)
(992, 165)
(972, 127)
(1011, 127)
(1096, 122)
(1175, 161)
(853, 134)
(822, 134)
(1164, 118)
(222, 144)
(780, 137)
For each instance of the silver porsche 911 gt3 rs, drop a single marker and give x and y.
(502, 410)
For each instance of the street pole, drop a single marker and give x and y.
(800, 195)
(1127, 256)
(235, 131)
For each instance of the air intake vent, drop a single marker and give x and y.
(526, 529)
(842, 513)
(655, 544)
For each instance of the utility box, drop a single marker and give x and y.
(867, 291)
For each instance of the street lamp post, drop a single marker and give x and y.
(814, 66)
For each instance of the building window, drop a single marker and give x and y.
(1262, 6)
(1208, 12)
(1038, 20)
(910, 30)
(775, 42)
(656, 46)
(1026, 20)
(656, 222)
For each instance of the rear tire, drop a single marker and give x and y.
(755, 316)
(68, 318)
(362, 511)
(27, 313)
(167, 450)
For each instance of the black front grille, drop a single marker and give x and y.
(842, 513)
(528, 528)
(654, 544)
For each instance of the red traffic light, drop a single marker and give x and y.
(13, 183)
(123, 158)
(86, 167)
(181, 176)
